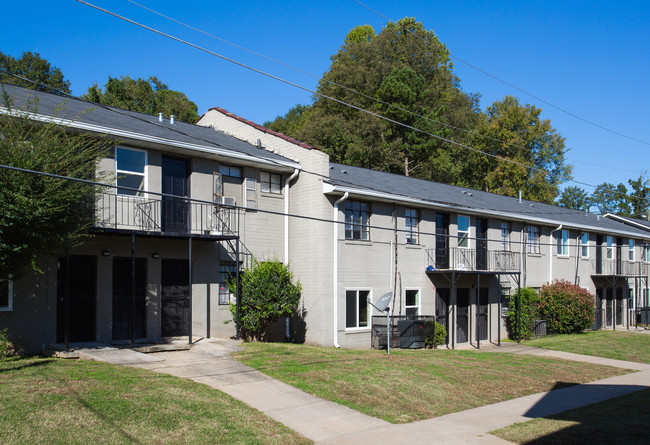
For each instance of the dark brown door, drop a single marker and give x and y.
(175, 298)
(462, 315)
(482, 314)
(174, 182)
(77, 291)
(122, 302)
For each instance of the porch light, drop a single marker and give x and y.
(106, 253)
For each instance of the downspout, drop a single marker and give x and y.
(335, 271)
(550, 254)
(287, 320)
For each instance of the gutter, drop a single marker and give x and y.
(287, 182)
(219, 152)
(335, 271)
(550, 254)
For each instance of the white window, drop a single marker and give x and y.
(463, 231)
(230, 170)
(6, 294)
(505, 235)
(610, 247)
(270, 183)
(412, 302)
(563, 242)
(131, 170)
(227, 271)
(647, 253)
(411, 217)
(532, 239)
(357, 220)
(250, 193)
(356, 308)
(630, 253)
(217, 186)
(584, 245)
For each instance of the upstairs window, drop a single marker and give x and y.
(630, 253)
(270, 182)
(584, 245)
(250, 193)
(563, 242)
(463, 231)
(610, 247)
(230, 170)
(411, 218)
(505, 235)
(130, 170)
(532, 239)
(357, 220)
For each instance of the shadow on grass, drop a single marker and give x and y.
(19, 363)
(109, 424)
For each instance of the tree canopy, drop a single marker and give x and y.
(149, 96)
(405, 74)
(574, 197)
(32, 66)
(42, 215)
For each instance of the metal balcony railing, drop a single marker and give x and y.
(461, 259)
(164, 215)
(618, 267)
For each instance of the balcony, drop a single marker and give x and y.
(612, 267)
(164, 216)
(470, 260)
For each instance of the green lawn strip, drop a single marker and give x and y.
(45, 400)
(620, 345)
(625, 419)
(413, 385)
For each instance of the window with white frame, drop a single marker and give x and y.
(532, 239)
(6, 294)
(411, 217)
(230, 170)
(646, 252)
(356, 308)
(227, 271)
(412, 302)
(250, 193)
(563, 242)
(610, 247)
(630, 252)
(584, 245)
(130, 170)
(357, 220)
(463, 230)
(505, 235)
(270, 183)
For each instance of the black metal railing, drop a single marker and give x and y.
(462, 259)
(407, 331)
(164, 215)
(618, 267)
(642, 316)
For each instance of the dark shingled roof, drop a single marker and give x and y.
(143, 124)
(478, 201)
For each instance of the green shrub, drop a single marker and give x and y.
(435, 334)
(6, 347)
(266, 294)
(529, 313)
(567, 308)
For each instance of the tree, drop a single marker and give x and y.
(42, 215)
(403, 73)
(290, 123)
(517, 132)
(574, 197)
(267, 293)
(32, 66)
(639, 198)
(529, 313)
(610, 198)
(149, 96)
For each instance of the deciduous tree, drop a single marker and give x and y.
(33, 67)
(574, 197)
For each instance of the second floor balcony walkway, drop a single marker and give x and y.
(472, 260)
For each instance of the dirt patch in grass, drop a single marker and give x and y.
(621, 420)
(64, 401)
(413, 385)
(619, 345)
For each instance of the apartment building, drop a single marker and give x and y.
(347, 233)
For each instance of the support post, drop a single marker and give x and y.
(238, 297)
(66, 329)
(132, 305)
(478, 308)
(189, 315)
(452, 320)
(519, 313)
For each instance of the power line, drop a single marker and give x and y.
(520, 89)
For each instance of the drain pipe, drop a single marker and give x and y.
(335, 271)
(550, 256)
(287, 320)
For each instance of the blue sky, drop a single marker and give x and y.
(590, 58)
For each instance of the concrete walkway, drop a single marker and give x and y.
(324, 422)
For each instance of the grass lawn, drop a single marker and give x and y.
(414, 385)
(624, 419)
(46, 400)
(620, 345)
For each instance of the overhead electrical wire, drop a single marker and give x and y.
(351, 90)
(520, 89)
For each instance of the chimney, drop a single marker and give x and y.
(171, 119)
(519, 196)
(160, 117)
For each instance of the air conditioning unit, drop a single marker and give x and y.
(228, 200)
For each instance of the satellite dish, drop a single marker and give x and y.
(384, 301)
